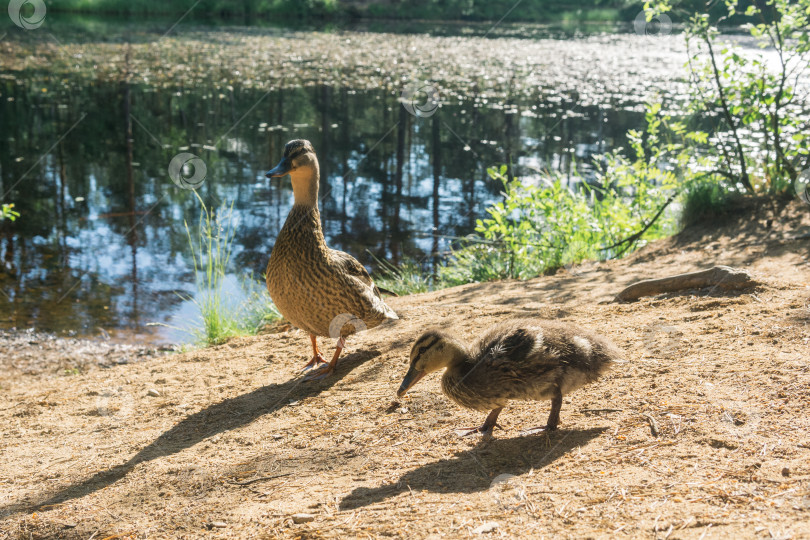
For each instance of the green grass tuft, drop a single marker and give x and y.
(211, 254)
(407, 278)
(211, 245)
(705, 201)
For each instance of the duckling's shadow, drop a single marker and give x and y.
(224, 416)
(474, 470)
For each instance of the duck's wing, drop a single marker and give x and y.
(351, 267)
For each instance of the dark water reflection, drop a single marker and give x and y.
(101, 242)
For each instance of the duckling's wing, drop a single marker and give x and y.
(506, 365)
(555, 355)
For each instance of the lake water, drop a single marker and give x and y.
(101, 244)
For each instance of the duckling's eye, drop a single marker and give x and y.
(421, 350)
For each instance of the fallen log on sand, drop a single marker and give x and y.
(722, 277)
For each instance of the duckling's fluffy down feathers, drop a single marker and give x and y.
(528, 359)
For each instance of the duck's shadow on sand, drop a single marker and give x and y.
(474, 470)
(220, 417)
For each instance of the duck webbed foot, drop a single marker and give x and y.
(317, 357)
(553, 418)
(316, 361)
(321, 372)
(486, 428)
(324, 371)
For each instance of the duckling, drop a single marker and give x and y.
(522, 359)
(322, 291)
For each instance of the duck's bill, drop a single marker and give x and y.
(281, 169)
(411, 378)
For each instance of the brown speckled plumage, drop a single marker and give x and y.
(522, 359)
(313, 285)
(319, 290)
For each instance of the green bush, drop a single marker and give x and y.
(539, 228)
(759, 142)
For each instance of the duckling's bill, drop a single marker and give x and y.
(284, 166)
(411, 378)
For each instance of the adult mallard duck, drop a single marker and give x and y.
(322, 291)
(522, 359)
